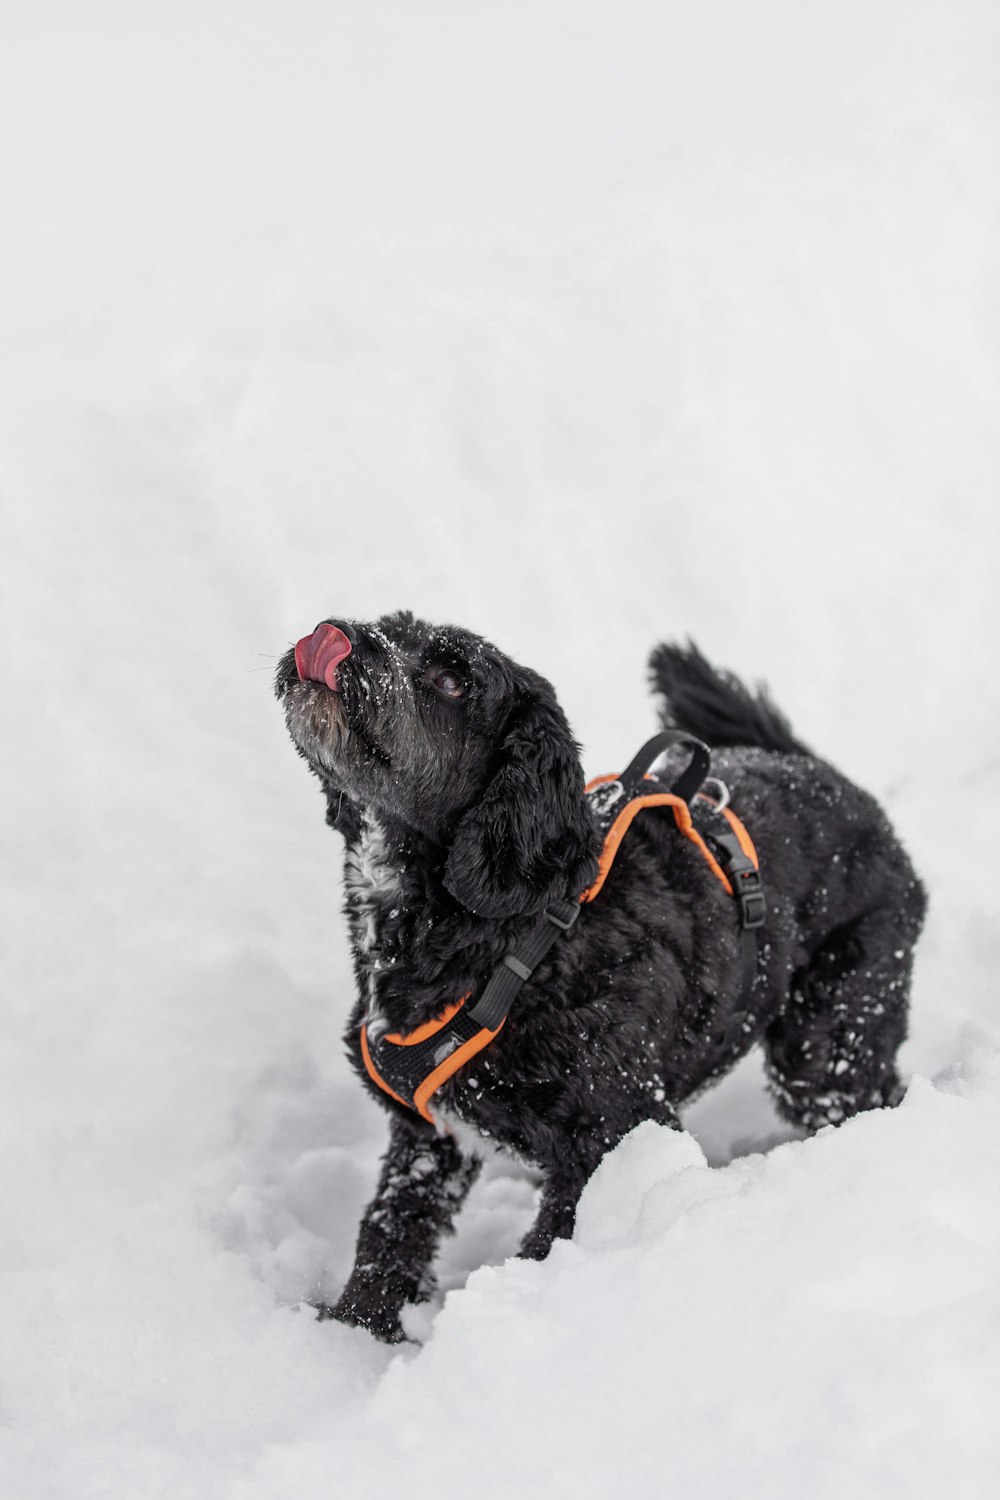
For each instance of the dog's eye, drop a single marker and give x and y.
(449, 684)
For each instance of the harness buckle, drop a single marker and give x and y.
(515, 966)
(750, 897)
(562, 914)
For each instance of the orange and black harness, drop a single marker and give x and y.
(412, 1067)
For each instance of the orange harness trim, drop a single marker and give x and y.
(438, 1075)
(685, 823)
(420, 1061)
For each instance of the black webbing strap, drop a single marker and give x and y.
(687, 782)
(517, 966)
(751, 908)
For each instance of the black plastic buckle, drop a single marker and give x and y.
(562, 914)
(751, 898)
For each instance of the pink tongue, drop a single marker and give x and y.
(318, 656)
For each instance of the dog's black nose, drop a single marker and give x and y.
(345, 626)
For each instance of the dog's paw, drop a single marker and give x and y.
(381, 1322)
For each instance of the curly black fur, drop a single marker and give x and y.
(455, 780)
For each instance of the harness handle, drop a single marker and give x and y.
(691, 777)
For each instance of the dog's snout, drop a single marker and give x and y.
(317, 656)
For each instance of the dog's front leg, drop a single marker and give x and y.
(423, 1184)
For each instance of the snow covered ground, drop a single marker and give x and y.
(583, 325)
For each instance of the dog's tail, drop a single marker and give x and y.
(715, 705)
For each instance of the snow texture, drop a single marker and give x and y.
(584, 326)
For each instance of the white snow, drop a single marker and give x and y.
(582, 326)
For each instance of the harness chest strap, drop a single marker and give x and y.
(411, 1068)
(444, 1054)
(422, 1060)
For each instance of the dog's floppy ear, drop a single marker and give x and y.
(530, 838)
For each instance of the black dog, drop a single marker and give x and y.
(455, 780)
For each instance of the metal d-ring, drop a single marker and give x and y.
(722, 800)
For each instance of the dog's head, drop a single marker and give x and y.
(434, 729)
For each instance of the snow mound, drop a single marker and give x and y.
(821, 1320)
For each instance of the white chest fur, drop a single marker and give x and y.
(373, 885)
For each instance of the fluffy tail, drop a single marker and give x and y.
(715, 705)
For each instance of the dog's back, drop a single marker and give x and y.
(838, 873)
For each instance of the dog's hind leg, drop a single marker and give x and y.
(556, 1214)
(566, 1179)
(423, 1184)
(832, 1052)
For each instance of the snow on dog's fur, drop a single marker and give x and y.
(453, 776)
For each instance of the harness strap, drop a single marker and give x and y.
(422, 1060)
(626, 817)
(517, 967)
(691, 777)
(740, 859)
